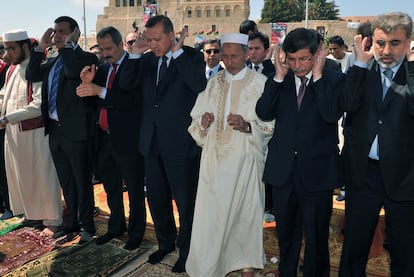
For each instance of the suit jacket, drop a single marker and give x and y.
(75, 114)
(393, 121)
(308, 135)
(268, 68)
(166, 107)
(123, 111)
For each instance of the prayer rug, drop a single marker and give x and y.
(10, 224)
(22, 245)
(86, 259)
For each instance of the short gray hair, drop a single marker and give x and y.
(390, 22)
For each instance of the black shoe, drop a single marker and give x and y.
(158, 255)
(105, 238)
(85, 236)
(179, 265)
(132, 244)
(68, 238)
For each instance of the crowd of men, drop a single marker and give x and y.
(232, 137)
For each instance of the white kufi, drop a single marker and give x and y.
(15, 35)
(234, 38)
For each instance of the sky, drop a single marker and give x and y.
(37, 16)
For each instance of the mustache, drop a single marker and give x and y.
(108, 57)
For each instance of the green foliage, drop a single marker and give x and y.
(294, 10)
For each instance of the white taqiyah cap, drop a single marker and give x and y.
(15, 35)
(412, 44)
(234, 38)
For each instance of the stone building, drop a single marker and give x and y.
(205, 18)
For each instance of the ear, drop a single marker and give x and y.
(171, 35)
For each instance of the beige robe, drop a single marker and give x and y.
(227, 233)
(34, 188)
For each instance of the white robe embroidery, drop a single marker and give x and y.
(227, 233)
(34, 188)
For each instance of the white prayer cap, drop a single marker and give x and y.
(15, 35)
(234, 38)
(412, 44)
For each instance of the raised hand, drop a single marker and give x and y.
(47, 39)
(319, 61)
(361, 54)
(140, 45)
(280, 63)
(179, 44)
(74, 36)
(87, 74)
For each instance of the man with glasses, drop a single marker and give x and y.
(212, 57)
(378, 153)
(302, 161)
(129, 40)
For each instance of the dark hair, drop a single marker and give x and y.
(25, 41)
(365, 29)
(337, 40)
(301, 38)
(262, 37)
(72, 22)
(112, 32)
(211, 41)
(166, 23)
(246, 26)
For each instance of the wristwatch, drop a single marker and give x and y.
(249, 128)
(4, 120)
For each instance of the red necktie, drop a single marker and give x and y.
(103, 116)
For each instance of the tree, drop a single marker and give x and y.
(294, 10)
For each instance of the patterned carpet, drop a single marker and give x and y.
(112, 260)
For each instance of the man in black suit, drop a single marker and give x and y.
(117, 134)
(259, 50)
(302, 161)
(68, 121)
(378, 153)
(212, 57)
(169, 77)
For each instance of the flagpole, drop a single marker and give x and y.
(84, 27)
(306, 14)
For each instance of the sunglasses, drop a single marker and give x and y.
(209, 51)
(130, 42)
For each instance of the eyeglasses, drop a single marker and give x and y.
(209, 51)
(300, 60)
(130, 42)
(393, 43)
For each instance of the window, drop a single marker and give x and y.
(139, 2)
(189, 13)
(198, 12)
(117, 3)
(124, 3)
(217, 13)
(131, 3)
(208, 13)
(227, 12)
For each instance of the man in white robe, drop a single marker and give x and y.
(227, 233)
(34, 188)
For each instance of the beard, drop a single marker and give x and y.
(20, 58)
(395, 61)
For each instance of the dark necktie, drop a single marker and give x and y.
(103, 115)
(210, 72)
(163, 68)
(302, 90)
(385, 86)
(54, 86)
(256, 67)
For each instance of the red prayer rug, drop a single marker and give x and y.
(22, 245)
